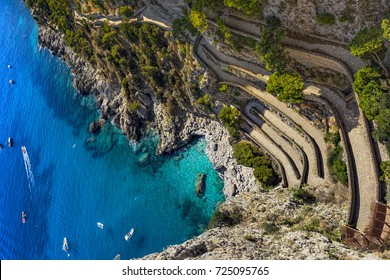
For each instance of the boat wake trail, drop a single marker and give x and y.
(27, 166)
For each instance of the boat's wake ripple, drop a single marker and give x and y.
(27, 166)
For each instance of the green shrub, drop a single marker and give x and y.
(225, 218)
(126, 11)
(287, 87)
(133, 105)
(205, 100)
(229, 116)
(337, 166)
(247, 155)
(250, 238)
(325, 19)
(270, 48)
(301, 195)
(198, 20)
(269, 227)
(347, 17)
(223, 88)
(249, 7)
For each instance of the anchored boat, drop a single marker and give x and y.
(9, 142)
(100, 225)
(24, 216)
(129, 235)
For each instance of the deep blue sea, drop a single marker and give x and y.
(76, 180)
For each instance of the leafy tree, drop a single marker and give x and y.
(182, 25)
(264, 174)
(369, 43)
(382, 132)
(249, 7)
(287, 87)
(245, 153)
(109, 40)
(126, 11)
(229, 116)
(370, 87)
(370, 98)
(248, 155)
(205, 100)
(269, 48)
(364, 76)
(198, 20)
(386, 29)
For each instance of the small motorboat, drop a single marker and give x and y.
(9, 66)
(11, 82)
(129, 234)
(9, 142)
(100, 225)
(65, 246)
(24, 216)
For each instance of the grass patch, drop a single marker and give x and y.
(325, 19)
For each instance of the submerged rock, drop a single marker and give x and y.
(95, 127)
(200, 187)
(144, 159)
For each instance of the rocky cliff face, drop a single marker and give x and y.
(88, 80)
(349, 16)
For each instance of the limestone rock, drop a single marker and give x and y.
(200, 185)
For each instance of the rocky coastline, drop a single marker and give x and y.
(87, 80)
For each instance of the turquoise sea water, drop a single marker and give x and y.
(79, 180)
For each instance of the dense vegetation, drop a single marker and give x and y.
(59, 12)
(287, 87)
(373, 85)
(369, 44)
(269, 48)
(336, 163)
(247, 155)
(372, 89)
(249, 7)
(230, 118)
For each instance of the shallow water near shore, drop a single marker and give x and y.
(80, 179)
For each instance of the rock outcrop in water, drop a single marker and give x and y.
(200, 185)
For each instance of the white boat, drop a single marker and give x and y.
(11, 82)
(100, 225)
(65, 246)
(129, 234)
(9, 142)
